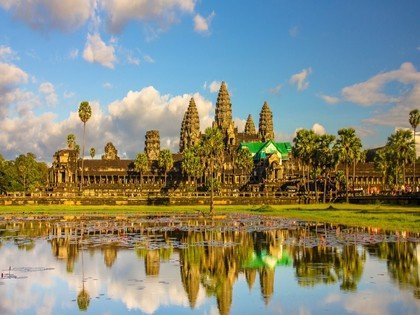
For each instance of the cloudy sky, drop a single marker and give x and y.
(319, 65)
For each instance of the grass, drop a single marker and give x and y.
(389, 217)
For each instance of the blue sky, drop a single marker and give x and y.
(322, 65)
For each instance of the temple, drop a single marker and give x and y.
(269, 157)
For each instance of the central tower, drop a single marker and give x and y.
(223, 116)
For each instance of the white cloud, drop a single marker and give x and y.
(47, 88)
(68, 94)
(300, 79)
(107, 85)
(11, 76)
(202, 24)
(74, 53)
(97, 51)
(66, 15)
(319, 129)
(7, 54)
(165, 13)
(148, 59)
(214, 86)
(329, 99)
(276, 89)
(373, 91)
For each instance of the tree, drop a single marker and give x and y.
(212, 154)
(71, 141)
(165, 161)
(402, 150)
(85, 112)
(243, 160)
(324, 158)
(92, 152)
(381, 164)
(414, 120)
(303, 147)
(347, 146)
(141, 165)
(191, 163)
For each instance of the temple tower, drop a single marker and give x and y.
(152, 145)
(190, 128)
(265, 128)
(250, 126)
(223, 116)
(111, 153)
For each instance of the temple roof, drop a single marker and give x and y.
(260, 150)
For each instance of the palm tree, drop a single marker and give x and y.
(191, 163)
(414, 122)
(347, 146)
(92, 152)
(141, 165)
(304, 143)
(243, 160)
(324, 157)
(71, 141)
(382, 164)
(401, 146)
(212, 153)
(359, 156)
(165, 161)
(85, 112)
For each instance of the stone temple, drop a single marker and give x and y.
(270, 158)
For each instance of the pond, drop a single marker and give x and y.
(187, 264)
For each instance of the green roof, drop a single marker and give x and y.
(259, 150)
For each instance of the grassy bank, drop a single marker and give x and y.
(380, 216)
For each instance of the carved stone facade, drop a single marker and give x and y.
(250, 126)
(190, 128)
(265, 128)
(152, 145)
(111, 153)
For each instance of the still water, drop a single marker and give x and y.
(190, 265)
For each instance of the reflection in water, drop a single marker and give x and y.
(214, 256)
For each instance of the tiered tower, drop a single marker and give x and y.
(111, 153)
(223, 116)
(265, 128)
(152, 145)
(250, 126)
(190, 129)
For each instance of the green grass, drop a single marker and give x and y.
(379, 216)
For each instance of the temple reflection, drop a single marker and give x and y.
(213, 259)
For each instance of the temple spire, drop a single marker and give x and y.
(250, 126)
(265, 128)
(190, 128)
(223, 116)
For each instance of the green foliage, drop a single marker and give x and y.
(71, 141)
(85, 111)
(191, 163)
(141, 164)
(414, 119)
(243, 160)
(165, 161)
(22, 174)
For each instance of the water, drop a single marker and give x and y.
(190, 265)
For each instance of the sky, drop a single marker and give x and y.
(320, 65)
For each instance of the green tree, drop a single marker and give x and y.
(71, 141)
(243, 160)
(85, 112)
(92, 152)
(382, 165)
(401, 150)
(347, 146)
(324, 157)
(212, 154)
(303, 147)
(165, 161)
(414, 120)
(191, 163)
(141, 165)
